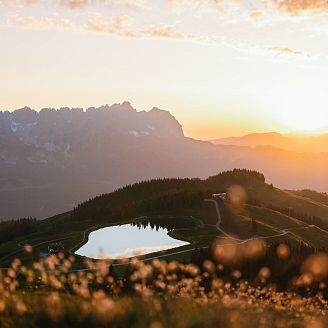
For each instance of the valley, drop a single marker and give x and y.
(185, 208)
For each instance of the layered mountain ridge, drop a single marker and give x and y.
(61, 130)
(51, 160)
(300, 143)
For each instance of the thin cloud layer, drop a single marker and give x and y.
(255, 7)
(234, 25)
(19, 2)
(78, 4)
(296, 7)
(164, 32)
(285, 50)
(119, 25)
(123, 26)
(75, 4)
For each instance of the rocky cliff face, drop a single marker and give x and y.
(69, 132)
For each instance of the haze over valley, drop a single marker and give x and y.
(311, 143)
(53, 159)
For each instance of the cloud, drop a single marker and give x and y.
(38, 23)
(199, 7)
(123, 26)
(285, 50)
(117, 25)
(134, 4)
(160, 22)
(20, 2)
(126, 27)
(164, 32)
(253, 7)
(296, 7)
(75, 4)
(80, 4)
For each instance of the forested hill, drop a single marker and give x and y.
(173, 200)
(173, 194)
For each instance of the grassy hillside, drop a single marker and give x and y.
(171, 201)
(272, 223)
(214, 281)
(291, 200)
(146, 196)
(318, 197)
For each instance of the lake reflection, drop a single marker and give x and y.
(124, 241)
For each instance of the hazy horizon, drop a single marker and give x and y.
(237, 134)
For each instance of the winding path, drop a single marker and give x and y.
(218, 227)
(284, 232)
(219, 216)
(239, 241)
(36, 245)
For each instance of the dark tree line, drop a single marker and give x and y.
(170, 223)
(243, 177)
(126, 210)
(161, 195)
(12, 229)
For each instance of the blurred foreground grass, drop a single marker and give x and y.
(164, 294)
(61, 310)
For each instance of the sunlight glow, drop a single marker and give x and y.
(304, 113)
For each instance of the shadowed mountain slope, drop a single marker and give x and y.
(54, 159)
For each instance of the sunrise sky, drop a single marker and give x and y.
(221, 67)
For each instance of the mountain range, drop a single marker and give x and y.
(293, 142)
(53, 159)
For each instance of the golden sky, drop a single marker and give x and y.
(221, 67)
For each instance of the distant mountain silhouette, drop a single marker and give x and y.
(309, 143)
(51, 160)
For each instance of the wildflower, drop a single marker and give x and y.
(54, 307)
(264, 273)
(20, 308)
(172, 266)
(209, 266)
(155, 324)
(236, 274)
(28, 249)
(193, 270)
(283, 251)
(317, 266)
(2, 306)
(254, 249)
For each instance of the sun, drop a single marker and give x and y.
(304, 114)
(303, 120)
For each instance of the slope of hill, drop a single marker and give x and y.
(52, 160)
(254, 139)
(309, 143)
(270, 223)
(178, 204)
(311, 194)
